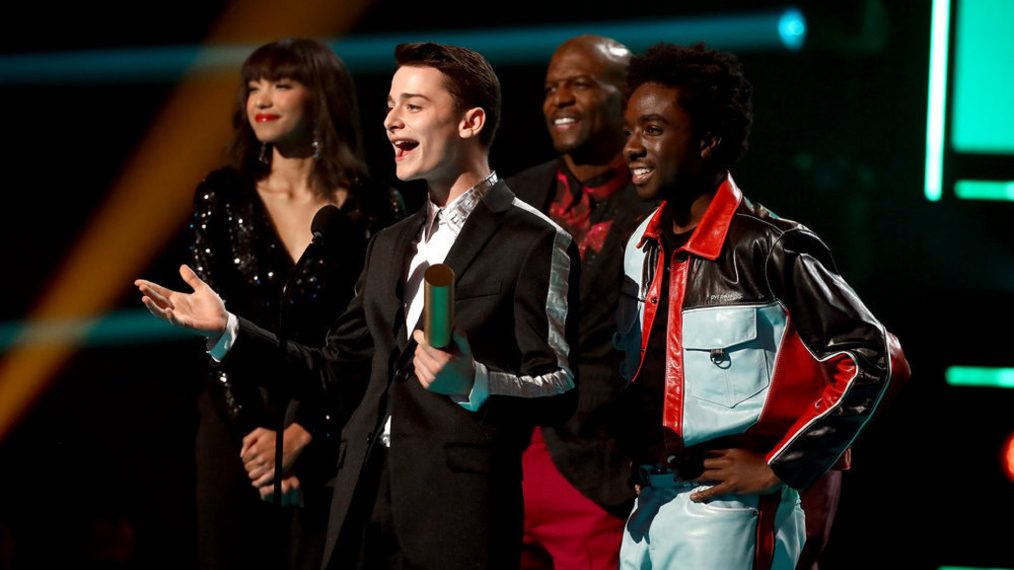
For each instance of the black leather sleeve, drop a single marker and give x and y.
(849, 347)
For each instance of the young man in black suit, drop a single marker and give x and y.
(430, 462)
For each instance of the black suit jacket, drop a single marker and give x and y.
(586, 449)
(455, 475)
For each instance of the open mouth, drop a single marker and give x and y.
(640, 173)
(402, 147)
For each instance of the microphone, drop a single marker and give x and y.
(329, 226)
(438, 304)
(328, 222)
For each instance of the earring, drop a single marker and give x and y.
(318, 149)
(264, 158)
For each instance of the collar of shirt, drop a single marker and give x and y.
(434, 242)
(453, 216)
(598, 187)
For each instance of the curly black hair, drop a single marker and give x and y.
(712, 90)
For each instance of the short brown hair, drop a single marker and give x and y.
(471, 79)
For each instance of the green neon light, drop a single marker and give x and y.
(984, 190)
(937, 100)
(981, 377)
(769, 30)
(127, 327)
(982, 117)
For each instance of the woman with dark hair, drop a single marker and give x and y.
(296, 148)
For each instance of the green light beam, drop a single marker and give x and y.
(984, 190)
(980, 377)
(937, 104)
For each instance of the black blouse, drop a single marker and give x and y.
(237, 251)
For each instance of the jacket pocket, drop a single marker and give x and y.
(725, 360)
(728, 358)
(472, 291)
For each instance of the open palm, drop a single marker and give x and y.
(202, 311)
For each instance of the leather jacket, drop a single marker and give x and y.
(768, 348)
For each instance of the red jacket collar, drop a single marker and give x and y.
(709, 235)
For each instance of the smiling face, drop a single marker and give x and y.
(583, 99)
(278, 111)
(422, 124)
(663, 152)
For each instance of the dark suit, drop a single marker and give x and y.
(455, 475)
(584, 449)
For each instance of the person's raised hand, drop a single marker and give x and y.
(202, 311)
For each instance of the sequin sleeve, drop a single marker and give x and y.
(204, 223)
(242, 405)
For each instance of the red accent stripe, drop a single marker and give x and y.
(796, 382)
(795, 398)
(764, 553)
(654, 228)
(672, 410)
(650, 307)
(706, 241)
(710, 233)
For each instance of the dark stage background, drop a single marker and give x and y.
(98, 473)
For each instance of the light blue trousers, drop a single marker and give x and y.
(666, 530)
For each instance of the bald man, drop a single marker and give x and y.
(576, 478)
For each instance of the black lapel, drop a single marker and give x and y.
(537, 185)
(399, 255)
(482, 223)
(547, 186)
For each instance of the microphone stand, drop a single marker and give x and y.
(281, 395)
(326, 226)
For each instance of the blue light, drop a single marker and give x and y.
(531, 45)
(125, 327)
(792, 28)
